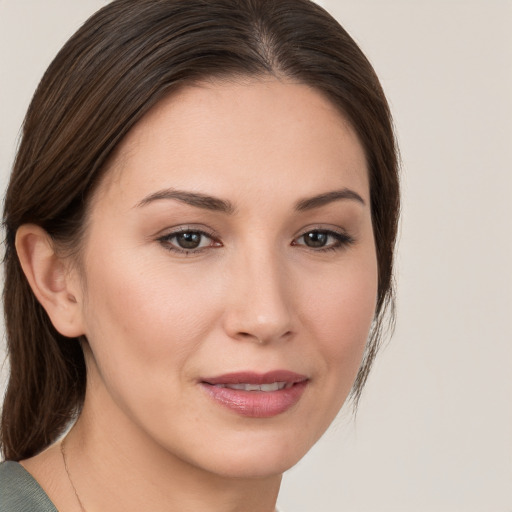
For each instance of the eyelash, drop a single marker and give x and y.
(166, 240)
(342, 240)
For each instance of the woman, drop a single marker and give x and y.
(200, 230)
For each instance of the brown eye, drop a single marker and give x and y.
(316, 239)
(189, 240)
(323, 239)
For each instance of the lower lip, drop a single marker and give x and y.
(257, 404)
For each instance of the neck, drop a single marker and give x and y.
(115, 467)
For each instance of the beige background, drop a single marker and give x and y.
(434, 430)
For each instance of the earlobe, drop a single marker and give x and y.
(53, 282)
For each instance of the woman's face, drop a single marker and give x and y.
(230, 276)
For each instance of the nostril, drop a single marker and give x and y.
(263, 339)
(242, 335)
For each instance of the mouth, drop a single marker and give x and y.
(265, 388)
(256, 395)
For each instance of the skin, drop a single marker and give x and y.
(254, 296)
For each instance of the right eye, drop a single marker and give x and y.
(188, 241)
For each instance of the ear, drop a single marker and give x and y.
(54, 281)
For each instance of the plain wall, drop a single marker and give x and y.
(434, 428)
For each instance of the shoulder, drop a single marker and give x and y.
(19, 491)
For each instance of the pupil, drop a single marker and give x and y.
(189, 240)
(315, 239)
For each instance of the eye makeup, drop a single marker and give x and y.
(189, 240)
(322, 239)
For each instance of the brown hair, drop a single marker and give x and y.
(119, 64)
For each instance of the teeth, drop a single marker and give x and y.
(272, 387)
(275, 386)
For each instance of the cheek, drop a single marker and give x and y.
(341, 312)
(143, 320)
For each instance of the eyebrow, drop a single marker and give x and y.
(328, 197)
(192, 198)
(221, 205)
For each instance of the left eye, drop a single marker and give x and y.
(187, 240)
(322, 239)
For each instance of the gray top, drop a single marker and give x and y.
(19, 492)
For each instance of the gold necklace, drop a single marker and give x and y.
(82, 508)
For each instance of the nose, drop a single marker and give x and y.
(259, 305)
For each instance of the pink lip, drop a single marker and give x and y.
(256, 404)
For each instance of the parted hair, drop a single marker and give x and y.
(114, 69)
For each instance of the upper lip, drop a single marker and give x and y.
(256, 378)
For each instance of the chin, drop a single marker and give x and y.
(258, 454)
(260, 464)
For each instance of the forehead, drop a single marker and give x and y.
(250, 136)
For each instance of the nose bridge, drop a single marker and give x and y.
(260, 307)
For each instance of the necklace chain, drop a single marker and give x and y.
(82, 508)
